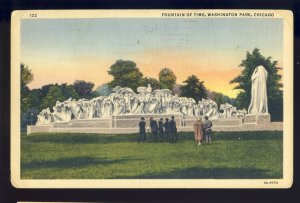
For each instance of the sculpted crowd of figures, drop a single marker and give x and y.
(126, 101)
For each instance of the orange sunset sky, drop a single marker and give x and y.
(62, 51)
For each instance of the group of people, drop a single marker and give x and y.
(158, 129)
(202, 129)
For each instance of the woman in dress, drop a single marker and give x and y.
(198, 130)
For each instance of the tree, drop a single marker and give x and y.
(84, 89)
(45, 89)
(125, 74)
(55, 94)
(34, 98)
(193, 88)
(31, 107)
(220, 98)
(26, 78)
(29, 118)
(274, 92)
(26, 75)
(155, 84)
(69, 91)
(167, 78)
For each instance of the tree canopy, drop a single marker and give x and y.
(167, 78)
(26, 78)
(125, 74)
(274, 92)
(155, 84)
(26, 75)
(84, 89)
(220, 98)
(194, 88)
(33, 101)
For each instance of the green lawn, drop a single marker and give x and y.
(95, 156)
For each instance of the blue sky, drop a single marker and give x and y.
(49, 44)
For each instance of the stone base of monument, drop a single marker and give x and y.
(260, 119)
(126, 124)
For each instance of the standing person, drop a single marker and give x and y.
(167, 128)
(154, 129)
(160, 128)
(142, 130)
(198, 130)
(173, 130)
(207, 124)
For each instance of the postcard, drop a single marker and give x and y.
(152, 99)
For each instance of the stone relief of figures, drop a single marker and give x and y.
(126, 101)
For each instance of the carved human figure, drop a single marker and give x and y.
(212, 109)
(134, 105)
(126, 101)
(259, 100)
(44, 117)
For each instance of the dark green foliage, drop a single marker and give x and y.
(69, 91)
(167, 78)
(32, 100)
(83, 89)
(274, 92)
(55, 93)
(256, 155)
(29, 118)
(220, 98)
(58, 93)
(125, 74)
(193, 88)
(39, 99)
(25, 97)
(26, 78)
(30, 108)
(155, 84)
(26, 75)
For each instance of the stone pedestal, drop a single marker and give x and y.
(259, 119)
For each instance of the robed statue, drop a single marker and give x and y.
(259, 100)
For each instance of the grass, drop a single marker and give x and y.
(93, 156)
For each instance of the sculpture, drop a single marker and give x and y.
(259, 101)
(126, 101)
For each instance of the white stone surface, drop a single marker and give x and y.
(124, 101)
(259, 119)
(217, 127)
(259, 100)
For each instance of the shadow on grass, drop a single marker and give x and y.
(72, 162)
(206, 173)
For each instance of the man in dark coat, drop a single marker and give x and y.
(142, 130)
(167, 128)
(207, 129)
(173, 130)
(154, 128)
(160, 128)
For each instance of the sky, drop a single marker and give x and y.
(65, 50)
